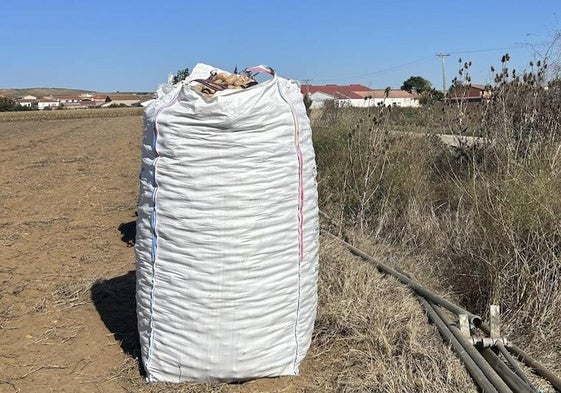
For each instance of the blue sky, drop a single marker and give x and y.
(133, 45)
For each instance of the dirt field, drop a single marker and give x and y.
(67, 311)
(67, 188)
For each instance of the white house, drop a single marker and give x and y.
(318, 99)
(47, 103)
(27, 103)
(392, 97)
(342, 95)
(358, 96)
(125, 99)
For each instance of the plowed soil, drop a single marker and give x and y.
(67, 217)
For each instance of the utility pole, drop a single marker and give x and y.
(307, 82)
(442, 58)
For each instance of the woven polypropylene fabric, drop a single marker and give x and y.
(227, 233)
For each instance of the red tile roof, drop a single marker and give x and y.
(337, 91)
(381, 93)
(355, 91)
(469, 91)
(69, 97)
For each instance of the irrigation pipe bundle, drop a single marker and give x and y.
(480, 355)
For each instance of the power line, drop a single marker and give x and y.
(391, 68)
(377, 72)
(422, 59)
(484, 50)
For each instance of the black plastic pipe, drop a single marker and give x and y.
(512, 380)
(473, 368)
(514, 365)
(489, 372)
(534, 364)
(421, 290)
(529, 361)
(473, 318)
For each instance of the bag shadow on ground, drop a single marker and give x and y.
(115, 302)
(128, 232)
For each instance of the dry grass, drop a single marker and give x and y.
(381, 330)
(485, 217)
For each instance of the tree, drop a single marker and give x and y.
(430, 96)
(7, 104)
(181, 75)
(416, 84)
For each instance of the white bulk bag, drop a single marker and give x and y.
(227, 233)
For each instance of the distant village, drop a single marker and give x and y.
(357, 95)
(354, 95)
(83, 101)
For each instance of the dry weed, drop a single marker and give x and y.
(485, 216)
(381, 332)
(72, 293)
